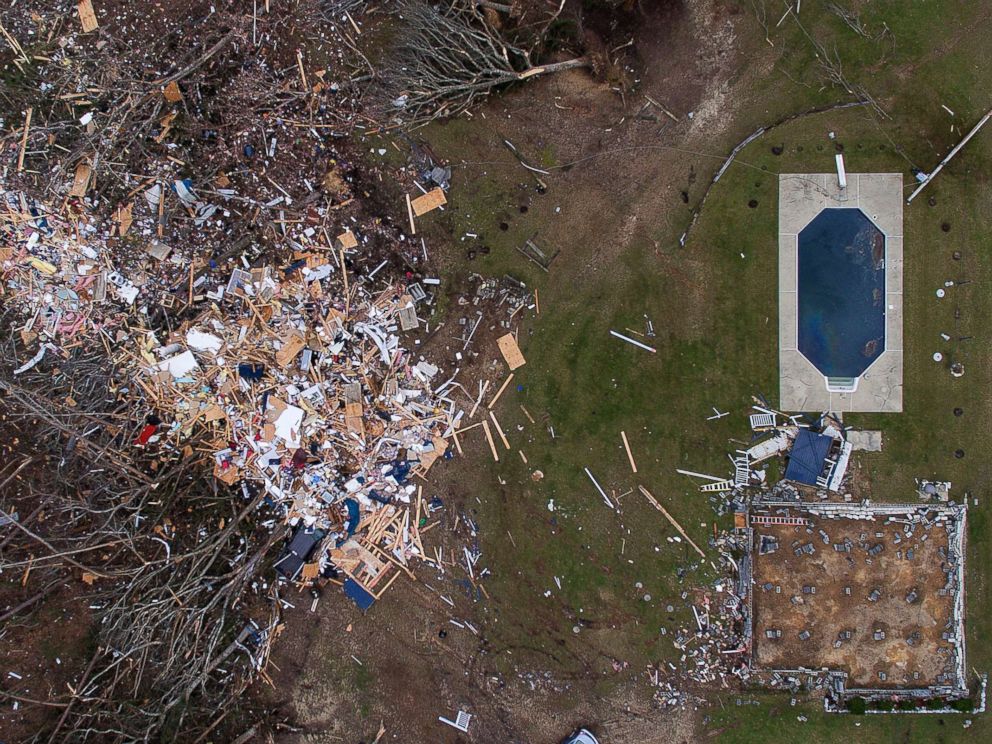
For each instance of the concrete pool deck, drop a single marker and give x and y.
(801, 197)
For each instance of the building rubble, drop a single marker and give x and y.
(287, 375)
(814, 486)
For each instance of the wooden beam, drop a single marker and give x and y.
(24, 139)
(654, 502)
(500, 391)
(626, 446)
(489, 438)
(499, 430)
(409, 211)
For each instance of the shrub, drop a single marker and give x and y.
(964, 705)
(857, 706)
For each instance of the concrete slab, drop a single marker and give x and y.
(869, 440)
(801, 197)
(881, 198)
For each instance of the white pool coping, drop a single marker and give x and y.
(802, 196)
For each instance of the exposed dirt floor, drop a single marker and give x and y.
(784, 599)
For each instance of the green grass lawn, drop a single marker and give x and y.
(713, 305)
(773, 719)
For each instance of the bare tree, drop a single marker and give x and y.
(451, 56)
(851, 19)
(175, 639)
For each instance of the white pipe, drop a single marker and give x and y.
(950, 155)
(599, 488)
(632, 341)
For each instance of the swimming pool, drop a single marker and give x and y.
(841, 293)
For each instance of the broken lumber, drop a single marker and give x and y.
(654, 502)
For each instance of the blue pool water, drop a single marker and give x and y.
(841, 292)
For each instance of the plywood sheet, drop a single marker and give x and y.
(428, 202)
(511, 352)
(87, 16)
(172, 93)
(81, 180)
(290, 348)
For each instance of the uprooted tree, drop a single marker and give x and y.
(450, 56)
(174, 641)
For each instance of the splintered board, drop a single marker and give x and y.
(87, 16)
(511, 352)
(81, 181)
(428, 202)
(290, 348)
(172, 93)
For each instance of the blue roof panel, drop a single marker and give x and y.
(806, 459)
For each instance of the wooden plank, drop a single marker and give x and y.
(500, 391)
(81, 181)
(409, 213)
(354, 408)
(24, 139)
(511, 352)
(626, 446)
(87, 16)
(482, 392)
(348, 240)
(489, 438)
(499, 430)
(428, 202)
(654, 502)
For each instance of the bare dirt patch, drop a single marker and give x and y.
(782, 603)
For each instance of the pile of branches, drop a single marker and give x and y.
(176, 639)
(451, 55)
(228, 86)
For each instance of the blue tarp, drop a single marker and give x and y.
(806, 459)
(358, 594)
(353, 515)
